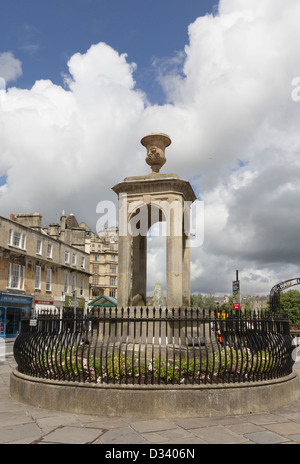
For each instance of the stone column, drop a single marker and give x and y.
(174, 271)
(186, 278)
(139, 270)
(124, 271)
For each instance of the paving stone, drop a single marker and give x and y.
(295, 438)
(103, 423)
(152, 425)
(10, 434)
(124, 435)
(219, 434)
(187, 441)
(285, 428)
(47, 424)
(244, 427)
(167, 435)
(72, 435)
(13, 418)
(263, 419)
(194, 423)
(266, 438)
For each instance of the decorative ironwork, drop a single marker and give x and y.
(156, 346)
(277, 289)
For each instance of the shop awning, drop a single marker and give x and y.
(44, 309)
(104, 301)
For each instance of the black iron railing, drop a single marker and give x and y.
(156, 346)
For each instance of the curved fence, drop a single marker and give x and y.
(156, 346)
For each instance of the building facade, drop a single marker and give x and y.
(103, 251)
(38, 269)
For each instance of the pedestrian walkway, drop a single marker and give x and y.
(23, 424)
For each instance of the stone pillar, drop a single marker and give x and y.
(124, 271)
(139, 270)
(174, 271)
(186, 278)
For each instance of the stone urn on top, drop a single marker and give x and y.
(156, 145)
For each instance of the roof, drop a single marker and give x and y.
(103, 301)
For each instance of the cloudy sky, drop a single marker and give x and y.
(82, 81)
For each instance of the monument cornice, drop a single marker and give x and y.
(156, 184)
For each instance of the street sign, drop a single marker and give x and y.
(236, 293)
(70, 302)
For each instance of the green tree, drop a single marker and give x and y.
(227, 306)
(290, 302)
(203, 301)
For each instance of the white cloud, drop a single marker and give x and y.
(234, 128)
(10, 68)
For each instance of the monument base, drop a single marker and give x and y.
(156, 401)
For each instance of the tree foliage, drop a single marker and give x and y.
(290, 302)
(203, 301)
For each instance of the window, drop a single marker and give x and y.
(67, 256)
(113, 269)
(112, 292)
(113, 258)
(73, 259)
(82, 262)
(112, 281)
(38, 273)
(73, 283)
(49, 250)
(39, 247)
(49, 280)
(95, 269)
(95, 280)
(23, 246)
(66, 283)
(81, 286)
(16, 276)
(16, 239)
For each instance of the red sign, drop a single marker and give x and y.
(236, 306)
(43, 302)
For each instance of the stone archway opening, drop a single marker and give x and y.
(156, 263)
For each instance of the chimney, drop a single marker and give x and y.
(54, 230)
(32, 220)
(63, 220)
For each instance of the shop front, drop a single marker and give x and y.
(13, 308)
(45, 307)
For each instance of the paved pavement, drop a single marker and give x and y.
(23, 424)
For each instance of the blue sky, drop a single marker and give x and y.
(44, 34)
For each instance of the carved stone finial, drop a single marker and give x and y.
(156, 145)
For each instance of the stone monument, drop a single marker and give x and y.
(143, 201)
